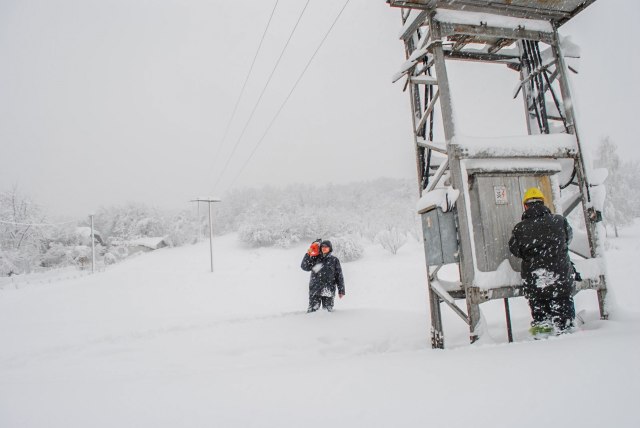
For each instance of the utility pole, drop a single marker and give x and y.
(93, 247)
(209, 201)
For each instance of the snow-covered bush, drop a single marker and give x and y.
(297, 213)
(129, 222)
(150, 226)
(182, 229)
(119, 251)
(57, 255)
(263, 235)
(110, 259)
(286, 240)
(7, 267)
(271, 226)
(391, 240)
(81, 256)
(347, 248)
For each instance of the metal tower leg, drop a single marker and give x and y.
(466, 263)
(589, 212)
(437, 334)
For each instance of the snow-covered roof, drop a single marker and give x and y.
(513, 165)
(491, 20)
(559, 11)
(153, 242)
(443, 198)
(544, 145)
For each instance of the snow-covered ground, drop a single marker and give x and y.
(158, 341)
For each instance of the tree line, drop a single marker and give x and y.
(351, 214)
(380, 211)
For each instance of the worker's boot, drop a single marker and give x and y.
(541, 330)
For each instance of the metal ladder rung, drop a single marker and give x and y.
(424, 80)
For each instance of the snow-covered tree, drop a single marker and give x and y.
(621, 203)
(21, 240)
(182, 228)
(130, 221)
(272, 216)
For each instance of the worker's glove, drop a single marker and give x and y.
(314, 249)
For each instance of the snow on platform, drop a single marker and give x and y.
(491, 20)
(545, 145)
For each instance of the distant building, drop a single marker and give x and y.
(144, 245)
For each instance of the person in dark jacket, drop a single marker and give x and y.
(541, 240)
(326, 275)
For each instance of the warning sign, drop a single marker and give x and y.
(500, 195)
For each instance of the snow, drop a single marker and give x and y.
(158, 341)
(410, 63)
(543, 145)
(502, 277)
(580, 243)
(570, 49)
(491, 20)
(597, 176)
(414, 15)
(598, 196)
(590, 268)
(447, 285)
(84, 233)
(501, 164)
(443, 198)
(442, 290)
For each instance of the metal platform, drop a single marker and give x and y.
(557, 11)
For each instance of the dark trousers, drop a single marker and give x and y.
(315, 300)
(557, 308)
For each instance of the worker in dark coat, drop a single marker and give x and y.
(326, 275)
(541, 240)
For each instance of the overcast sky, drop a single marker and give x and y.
(108, 101)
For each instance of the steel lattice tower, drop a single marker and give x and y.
(523, 35)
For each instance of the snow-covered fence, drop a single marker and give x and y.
(43, 277)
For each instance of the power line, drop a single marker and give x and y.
(289, 95)
(244, 85)
(246, 125)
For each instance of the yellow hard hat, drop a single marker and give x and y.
(532, 193)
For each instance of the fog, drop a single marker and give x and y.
(105, 102)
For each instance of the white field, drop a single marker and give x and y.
(158, 341)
